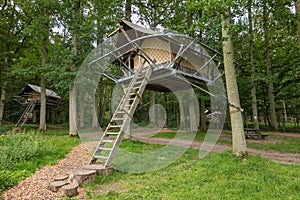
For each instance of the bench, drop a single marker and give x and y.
(252, 133)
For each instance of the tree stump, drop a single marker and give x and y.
(70, 190)
(61, 177)
(82, 176)
(54, 186)
(100, 169)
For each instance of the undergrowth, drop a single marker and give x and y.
(22, 154)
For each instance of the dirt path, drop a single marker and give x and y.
(36, 186)
(287, 158)
(292, 135)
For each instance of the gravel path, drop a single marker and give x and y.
(36, 186)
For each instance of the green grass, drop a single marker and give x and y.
(218, 176)
(282, 144)
(22, 154)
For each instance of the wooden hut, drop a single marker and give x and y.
(30, 97)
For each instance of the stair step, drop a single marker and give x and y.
(105, 148)
(108, 141)
(101, 157)
(138, 82)
(118, 119)
(115, 126)
(112, 133)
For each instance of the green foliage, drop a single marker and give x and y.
(218, 176)
(21, 154)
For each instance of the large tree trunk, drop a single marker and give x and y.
(3, 90)
(297, 6)
(72, 112)
(273, 122)
(238, 137)
(43, 105)
(43, 88)
(253, 70)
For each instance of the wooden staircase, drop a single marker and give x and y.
(120, 121)
(25, 115)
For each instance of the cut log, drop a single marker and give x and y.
(61, 177)
(70, 190)
(54, 186)
(100, 169)
(82, 176)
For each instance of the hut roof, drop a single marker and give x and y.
(29, 88)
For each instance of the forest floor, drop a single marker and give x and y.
(36, 186)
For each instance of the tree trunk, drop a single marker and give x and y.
(153, 114)
(72, 112)
(285, 117)
(34, 116)
(81, 110)
(43, 87)
(43, 105)
(95, 123)
(297, 6)
(182, 124)
(3, 90)
(253, 70)
(273, 122)
(128, 10)
(238, 137)
(202, 114)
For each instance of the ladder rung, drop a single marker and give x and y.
(101, 157)
(105, 148)
(112, 133)
(118, 119)
(138, 82)
(108, 141)
(115, 126)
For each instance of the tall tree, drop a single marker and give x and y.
(42, 126)
(238, 137)
(297, 6)
(266, 31)
(253, 70)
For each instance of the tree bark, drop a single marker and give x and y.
(43, 87)
(95, 123)
(202, 114)
(238, 137)
(43, 105)
(253, 70)
(81, 110)
(297, 6)
(3, 90)
(272, 111)
(72, 112)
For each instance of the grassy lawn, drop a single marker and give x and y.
(281, 144)
(218, 176)
(22, 154)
